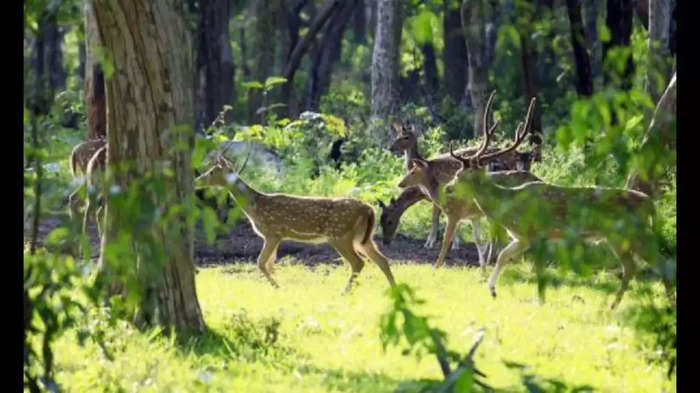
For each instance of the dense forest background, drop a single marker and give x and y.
(315, 86)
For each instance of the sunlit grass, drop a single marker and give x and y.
(329, 342)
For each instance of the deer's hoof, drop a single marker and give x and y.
(493, 293)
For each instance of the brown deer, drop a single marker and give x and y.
(538, 211)
(444, 168)
(93, 180)
(79, 158)
(345, 224)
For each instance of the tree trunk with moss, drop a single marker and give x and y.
(455, 53)
(659, 49)
(150, 114)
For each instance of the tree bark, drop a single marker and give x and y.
(385, 59)
(475, 15)
(359, 23)
(49, 75)
(95, 104)
(584, 77)
(430, 72)
(149, 117)
(659, 49)
(328, 54)
(329, 8)
(264, 53)
(455, 53)
(619, 21)
(214, 62)
(590, 12)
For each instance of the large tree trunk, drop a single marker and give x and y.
(95, 104)
(328, 54)
(214, 62)
(584, 77)
(455, 53)
(385, 59)
(659, 49)
(149, 117)
(619, 21)
(475, 15)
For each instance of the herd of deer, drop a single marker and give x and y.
(457, 184)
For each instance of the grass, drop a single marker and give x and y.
(309, 337)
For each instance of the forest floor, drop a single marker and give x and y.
(243, 245)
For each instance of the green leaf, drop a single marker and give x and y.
(422, 27)
(272, 81)
(210, 223)
(252, 85)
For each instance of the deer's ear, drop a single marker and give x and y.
(397, 128)
(419, 163)
(380, 203)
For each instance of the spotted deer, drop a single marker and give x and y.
(538, 211)
(94, 182)
(443, 168)
(345, 224)
(79, 158)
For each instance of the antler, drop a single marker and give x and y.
(489, 132)
(520, 133)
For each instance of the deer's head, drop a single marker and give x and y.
(389, 220)
(404, 138)
(221, 174)
(473, 167)
(418, 174)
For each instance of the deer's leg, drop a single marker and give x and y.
(267, 257)
(370, 249)
(432, 236)
(73, 200)
(346, 250)
(628, 270)
(449, 235)
(512, 250)
(481, 248)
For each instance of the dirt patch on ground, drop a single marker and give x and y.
(243, 245)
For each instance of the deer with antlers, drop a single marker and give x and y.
(538, 211)
(442, 168)
(345, 224)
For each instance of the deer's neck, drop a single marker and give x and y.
(407, 198)
(430, 188)
(489, 196)
(245, 195)
(411, 154)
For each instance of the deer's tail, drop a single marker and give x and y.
(370, 225)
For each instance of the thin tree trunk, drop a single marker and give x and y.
(47, 63)
(590, 12)
(385, 59)
(95, 104)
(214, 62)
(328, 54)
(430, 72)
(359, 23)
(658, 44)
(327, 10)
(455, 53)
(264, 53)
(528, 63)
(150, 116)
(475, 14)
(619, 21)
(584, 80)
